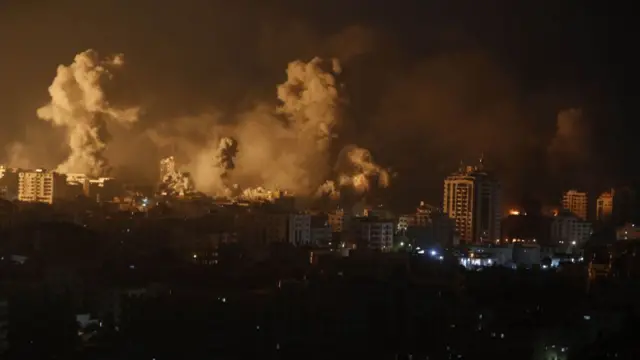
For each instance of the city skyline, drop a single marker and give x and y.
(455, 88)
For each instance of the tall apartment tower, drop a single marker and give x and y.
(41, 186)
(604, 206)
(472, 201)
(576, 202)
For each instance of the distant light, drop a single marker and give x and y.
(441, 257)
(514, 212)
(418, 248)
(195, 256)
(420, 252)
(587, 317)
(573, 243)
(402, 243)
(433, 253)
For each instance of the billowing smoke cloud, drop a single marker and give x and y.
(570, 140)
(283, 148)
(173, 181)
(363, 170)
(310, 99)
(225, 155)
(212, 167)
(568, 151)
(357, 171)
(287, 148)
(79, 104)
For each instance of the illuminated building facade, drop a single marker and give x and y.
(338, 221)
(604, 206)
(576, 202)
(472, 201)
(40, 186)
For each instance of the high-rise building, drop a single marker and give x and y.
(41, 186)
(575, 202)
(472, 201)
(604, 206)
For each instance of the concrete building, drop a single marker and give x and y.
(321, 234)
(338, 221)
(604, 206)
(427, 225)
(41, 186)
(375, 234)
(569, 230)
(299, 229)
(576, 202)
(472, 201)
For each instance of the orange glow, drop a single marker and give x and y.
(514, 212)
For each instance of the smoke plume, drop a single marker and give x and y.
(362, 170)
(310, 99)
(569, 149)
(17, 156)
(225, 154)
(283, 147)
(570, 139)
(79, 104)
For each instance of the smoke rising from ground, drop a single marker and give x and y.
(79, 104)
(420, 106)
(569, 151)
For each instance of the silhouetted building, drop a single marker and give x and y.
(527, 228)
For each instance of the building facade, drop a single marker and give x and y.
(299, 230)
(576, 202)
(472, 201)
(604, 206)
(375, 234)
(567, 229)
(40, 186)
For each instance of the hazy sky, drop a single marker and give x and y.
(430, 83)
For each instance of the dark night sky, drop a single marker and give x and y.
(430, 82)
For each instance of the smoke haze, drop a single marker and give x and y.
(427, 85)
(79, 104)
